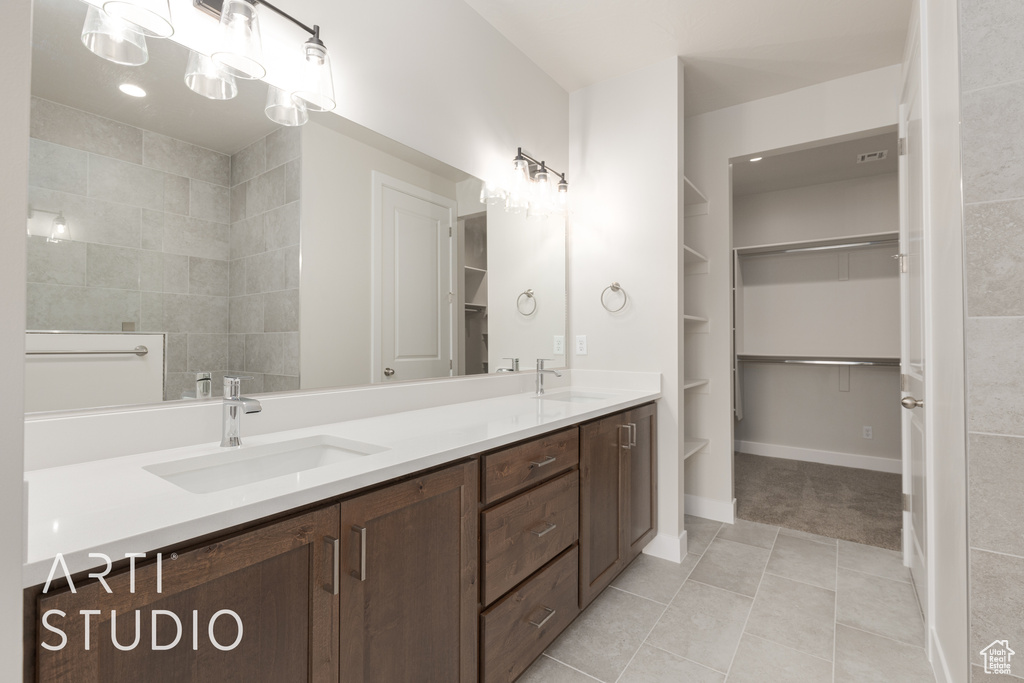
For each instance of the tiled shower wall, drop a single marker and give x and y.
(264, 319)
(992, 97)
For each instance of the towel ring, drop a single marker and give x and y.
(615, 287)
(529, 297)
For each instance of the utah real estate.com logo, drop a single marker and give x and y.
(997, 657)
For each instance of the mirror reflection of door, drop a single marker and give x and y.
(414, 335)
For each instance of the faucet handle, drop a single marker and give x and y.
(541, 361)
(233, 385)
(515, 361)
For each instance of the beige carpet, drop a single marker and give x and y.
(838, 502)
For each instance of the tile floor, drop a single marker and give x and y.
(750, 603)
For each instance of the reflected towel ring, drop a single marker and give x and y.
(529, 297)
(615, 287)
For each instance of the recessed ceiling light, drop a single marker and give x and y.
(757, 159)
(130, 89)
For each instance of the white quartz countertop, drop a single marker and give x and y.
(115, 506)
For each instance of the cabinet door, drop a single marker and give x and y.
(642, 480)
(278, 580)
(409, 580)
(603, 509)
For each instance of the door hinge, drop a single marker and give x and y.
(902, 259)
(451, 297)
(904, 382)
(901, 147)
(906, 502)
(450, 366)
(449, 231)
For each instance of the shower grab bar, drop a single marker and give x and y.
(812, 360)
(137, 351)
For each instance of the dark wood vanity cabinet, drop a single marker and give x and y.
(409, 580)
(618, 495)
(277, 579)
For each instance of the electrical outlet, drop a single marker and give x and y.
(581, 344)
(867, 433)
(559, 349)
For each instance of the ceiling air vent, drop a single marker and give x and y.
(872, 156)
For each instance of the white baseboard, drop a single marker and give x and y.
(940, 669)
(718, 510)
(863, 462)
(667, 547)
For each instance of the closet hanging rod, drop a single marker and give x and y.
(813, 360)
(754, 251)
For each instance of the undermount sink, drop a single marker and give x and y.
(249, 464)
(574, 397)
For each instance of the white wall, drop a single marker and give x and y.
(334, 282)
(625, 173)
(15, 50)
(865, 101)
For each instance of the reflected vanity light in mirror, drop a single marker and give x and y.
(205, 77)
(285, 109)
(152, 17)
(240, 51)
(317, 89)
(113, 39)
(531, 189)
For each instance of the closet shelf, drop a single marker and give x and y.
(845, 242)
(821, 360)
(691, 446)
(694, 319)
(474, 269)
(694, 262)
(695, 203)
(693, 383)
(475, 307)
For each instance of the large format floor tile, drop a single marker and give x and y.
(863, 657)
(703, 624)
(882, 606)
(547, 670)
(652, 665)
(699, 533)
(758, 661)
(804, 560)
(654, 578)
(871, 560)
(751, 533)
(605, 637)
(795, 615)
(733, 566)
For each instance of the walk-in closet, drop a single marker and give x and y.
(816, 333)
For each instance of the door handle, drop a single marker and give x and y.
(632, 434)
(361, 572)
(388, 372)
(548, 527)
(909, 402)
(629, 441)
(334, 550)
(548, 614)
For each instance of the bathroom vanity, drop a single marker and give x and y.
(513, 513)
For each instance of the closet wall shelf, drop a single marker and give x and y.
(846, 242)
(693, 383)
(694, 261)
(821, 360)
(695, 203)
(691, 446)
(694, 319)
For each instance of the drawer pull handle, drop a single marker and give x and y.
(361, 572)
(540, 624)
(548, 528)
(628, 445)
(632, 434)
(334, 550)
(546, 461)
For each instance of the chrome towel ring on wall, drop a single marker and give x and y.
(529, 297)
(614, 287)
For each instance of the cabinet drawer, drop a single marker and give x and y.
(518, 628)
(522, 534)
(520, 467)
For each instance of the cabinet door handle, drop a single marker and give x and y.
(334, 552)
(361, 572)
(540, 624)
(549, 527)
(632, 434)
(546, 461)
(629, 444)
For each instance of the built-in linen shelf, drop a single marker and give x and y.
(475, 307)
(473, 269)
(693, 383)
(695, 203)
(821, 360)
(694, 262)
(694, 323)
(691, 446)
(874, 239)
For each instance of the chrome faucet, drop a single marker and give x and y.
(234, 405)
(540, 375)
(513, 368)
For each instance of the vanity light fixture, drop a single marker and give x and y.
(112, 39)
(151, 17)
(205, 77)
(531, 188)
(756, 159)
(59, 228)
(240, 51)
(285, 109)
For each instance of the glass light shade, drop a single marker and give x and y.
(519, 188)
(205, 77)
(240, 47)
(151, 17)
(317, 82)
(491, 194)
(115, 40)
(285, 109)
(59, 229)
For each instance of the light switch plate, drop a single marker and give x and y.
(581, 344)
(559, 349)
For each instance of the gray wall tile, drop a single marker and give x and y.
(995, 371)
(237, 283)
(993, 143)
(996, 470)
(210, 202)
(193, 237)
(61, 263)
(75, 128)
(293, 180)
(997, 601)
(265, 192)
(207, 352)
(184, 159)
(247, 237)
(276, 354)
(208, 276)
(59, 307)
(92, 220)
(236, 352)
(151, 229)
(281, 311)
(249, 162)
(176, 194)
(246, 314)
(119, 181)
(280, 383)
(160, 272)
(284, 144)
(282, 226)
(114, 267)
(177, 352)
(991, 49)
(184, 313)
(238, 202)
(995, 258)
(56, 167)
(272, 271)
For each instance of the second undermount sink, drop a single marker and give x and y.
(227, 469)
(574, 397)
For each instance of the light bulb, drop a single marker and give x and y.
(519, 187)
(59, 229)
(112, 39)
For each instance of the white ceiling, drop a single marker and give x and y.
(734, 50)
(827, 163)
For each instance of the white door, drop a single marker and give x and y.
(414, 335)
(912, 333)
